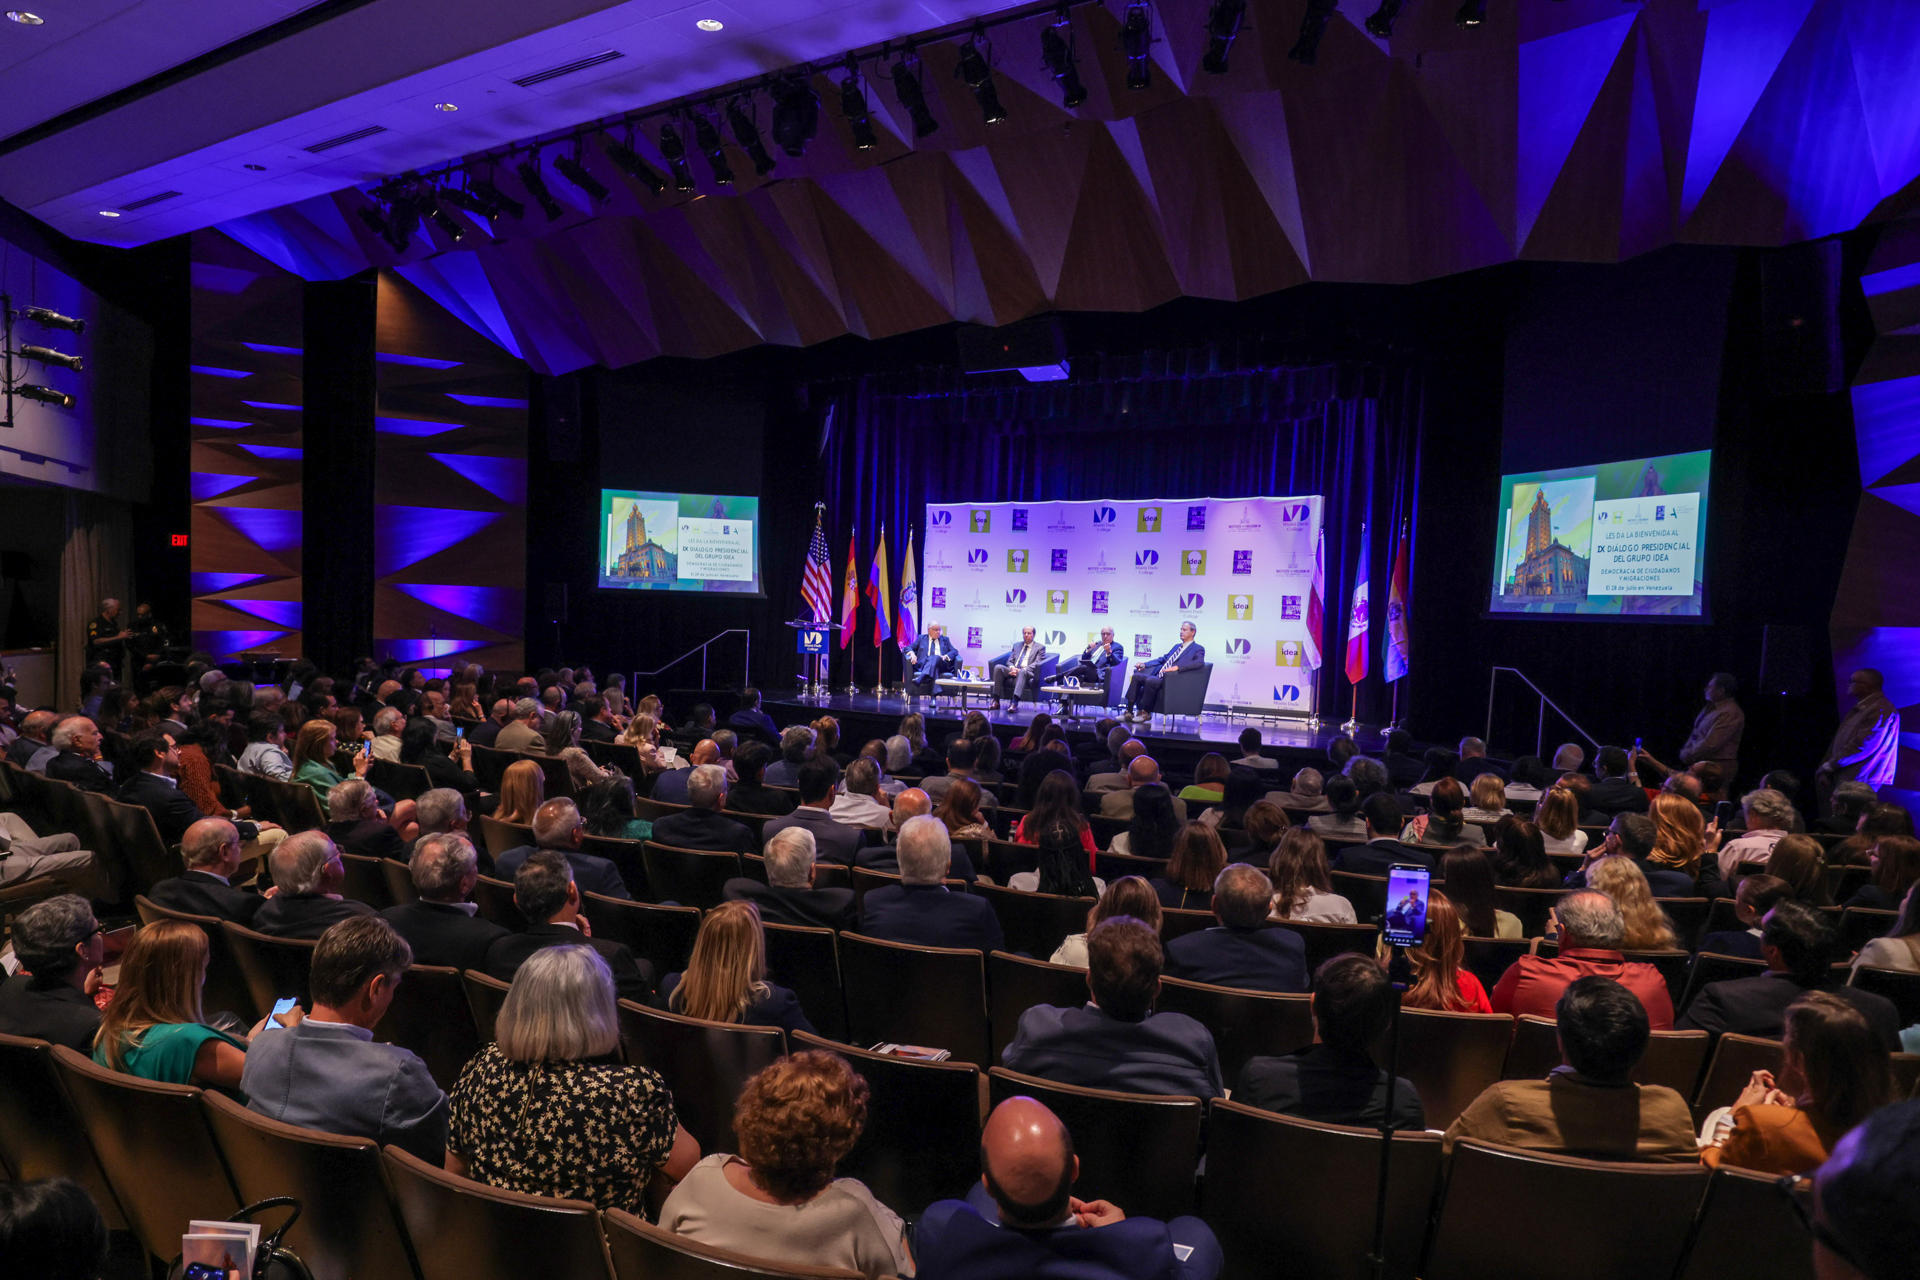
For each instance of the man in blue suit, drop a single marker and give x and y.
(1244, 951)
(1383, 847)
(922, 911)
(1024, 1220)
(1143, 691)
(930, 657)
(557, 826)
(1096, 660)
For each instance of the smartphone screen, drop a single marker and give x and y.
(367, 748)
(1408, 887)
(459, 731)
(284, 1004)
(1723, 813)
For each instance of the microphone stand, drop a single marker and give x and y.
(1399, 977)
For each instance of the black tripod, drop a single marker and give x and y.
(1400, 977)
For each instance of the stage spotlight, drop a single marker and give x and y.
(47, 355)
(747, 134)
(707, 138)
(45, 395)
(674, 152)
(1136, 40)
(573, 171)
(1380, 24)
(1223, 28)
(1056, 55)
(1471, 13)
(392, 223)
(1313, 25)
(449, 225)
(628, 161)
(796, 114)
(462, 198)
(912, 95)
(53, 319)
(484, 190)
(536, 185)
(853, 107)
(375, 220)
(978, 74)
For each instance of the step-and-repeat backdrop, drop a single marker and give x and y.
(1237, 568)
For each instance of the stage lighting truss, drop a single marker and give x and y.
(911, 93)
(674, 151)
(707, 138)
(573, 170)
(13, 380)
(629, 162)
(1223, 28)
(796, 113)
(747, 134)
(536, 184)
(1380, 22)
(488, 192)
(1136, 41)
(976, 70)
(853, 108)
(1057, 56)
(1313, 25)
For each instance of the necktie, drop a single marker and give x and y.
(1173, 658)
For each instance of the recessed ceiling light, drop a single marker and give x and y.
(26, 19)
(711, 24)
(257, 168)
(446, 106)
(109, 213)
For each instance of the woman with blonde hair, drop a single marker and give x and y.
(523, 787)
(1302, 883)
(1127, 896)
(155, 1029)
(1682, 841)
(1647, 926)
(726, 977)
(1487, 799)
(1558, 818)
(1802, 863)
(550, 1109)
(313, 749)
(643, 735)
(1440, 978)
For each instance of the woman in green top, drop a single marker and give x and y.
(154, 1028)
(1209, 779)
(607, 810)
(313, 754)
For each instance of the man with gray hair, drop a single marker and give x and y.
(1473, 762)
(1769, 816)
(789, 896)
(557, 826)
(308, 879)
(60, 948)
(523, 732)
(33, 748)
(1242, 951)
(487, 732)
(211, 850)
(1590, 927)
(701, 825)
(1569, 757)
(920, 909)
(442, 925)
(354, 823)
(725, 741)
(388, 724)
(547, 895)
(796, 748)
(859, 803)
(1124, 752)
(77, 758)
(440, 811)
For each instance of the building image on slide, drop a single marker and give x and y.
(641, 559)
(1550, 571)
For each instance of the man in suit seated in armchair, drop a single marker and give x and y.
(1017, 676)
(931, 657)
(1149, 678)
(1095, 662)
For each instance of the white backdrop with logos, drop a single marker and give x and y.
(1239, 569)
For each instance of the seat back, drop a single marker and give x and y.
(1016, 984)
(559, 782)
(235, 791)
(662, 935)
(500, 836)
(226, 986)
(1325, 941)
(154, 1146)
(1709, 967)
(347, 1224)
(1531, 905)
(1735, 1059)
(1451, 1058)
(485, 995)
(136, 845)
(1036, 923)
(494, 898)
(1744, 1230)
(490, 765)
(366, 880)
(1505, 1210)
(1176, 923)
(271, 967)
(922, 1138)
(1898, 985)
(1689, 917)
(40, 1132)
(1368, 894)
(625, 857)
(470, 1231)
(1673, 1058)
(1245, 1024)
(1004, 859)
(399, 881)
(690, 877)
(705, 1064)
(806, 961)
(295, 803)
(654, 810)
(1488, 958)
(430, 1018)
(642, 1251)
(401, 781)
(1137, 1150)
(1861, 925)
(1184, 692)
(1282, 1187)
(935, 996)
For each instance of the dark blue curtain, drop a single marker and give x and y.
(1154, 427)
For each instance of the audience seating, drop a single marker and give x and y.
(1672, 964)
(498, 836)
(704, 1063)
(1861, 925)
(430, 1016)
(1175, 923)
(293, 804)
(495, 901)
(1508, 1214)
(1005, 858)
(1115, 866)
(21, 894)
(1710, 966)
(806, 960)
(1016, 984)
(1245, 1024)
(1488, 958)
(1325, 941)
(1368, 894)
(1735, 1059)
(347, 1224)
(399, 879)
(865, 880)
(1673, 1058)
(132, 843)
(225, 988)
(654, 810)
(1897, 985)
(485, 995)
(1451, 1058)
(659, 933)
(1688, 917)
(1036, 923)
(688, 877)
(154, 1146)
(1137, 1150)
(477, 1232)
(1279, 1187)
(622, 755)
(922, 1139)
(933, 996)
(1744, 1229)
(271, 967)
(1531, 905)
(40, 1135)
(366, 880)
(625, 855)
(490, 765)
(401, 781)
(642, 1251)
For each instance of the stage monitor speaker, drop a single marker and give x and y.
(1786, 661)
(1037, 348)
(556, 602)
(1800, 319)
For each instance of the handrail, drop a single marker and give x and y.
(746, 661)
(1540, 729)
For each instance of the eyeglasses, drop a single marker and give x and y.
(1792, 1186)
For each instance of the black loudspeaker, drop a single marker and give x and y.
(1800, 346)
(1026, 344)
(556, 602)
(1786, 661)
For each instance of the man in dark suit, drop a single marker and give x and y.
(154, 788)
(1023, 1219)
(1143, 691)
(701, 826)
(1613, 791)
(670, 787)
(60, 947)
(749, 792)
(1017, 675)
(833, 841)
(1798, 947)
(1243, 951)
(211, 850)
(76, 743)
(1095, 662)
(545, 891)
(308, 877)
(788, 896)
(1383, 847)
(488, 731)
(930, 657)
(1336, 1080)
(751, 721)
(1473, 762)
(1117, 1041)
(355, 825)
(557, 826)
(596, 722)
(441, 926)
(922, 911)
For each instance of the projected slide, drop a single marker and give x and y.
(679, 542)
(1618, 539)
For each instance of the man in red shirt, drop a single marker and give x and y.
(1590, 933)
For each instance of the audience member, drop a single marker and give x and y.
(726, 976)
(76, 757)
(557, 828)
(1306, 793)
(860, 804)
(1143, 772)
(1879, 820)
(1242, 950)
(701, 825)
(1445, 823)
(50, 1229)
(154, 1028)
(750, 794)
(1896, 868)
(522, 733)
(1336, 1081)
(25, 855)
(960, 811)
(355, 825)
(1441, 979)
(442, 925)
(833, 841)
(1518, 854)
(523, 789)
(1127, 896)
(1198, 856)
(962, 755)
(788, 896)
(1589, 929)
(1468, 875)
(34, 747)
(1769, 816)
(1645, 926)
(549, 898)
(1061, 865)
(751, 720)
(1802, 864)
(1487, 799)
(1250, 757)
(1798, 947)
(1866, 1199)
(607, 809)
(920, 909)
(1756, 896)
(1344, 823)
(1057, 804)
(1383, 847)
(1682, 843)
(309, 880)
(1152, 826)
(1302, 884)
(1558, 817)
(388, 722)
(1613, 790)
(1900, 948)
(211, 851)
(796, 748)
(60, 948)
(670, 787)
(1209, 779)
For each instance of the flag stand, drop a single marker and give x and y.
(1393, 720)
(1353, 714)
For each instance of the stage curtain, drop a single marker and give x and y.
(94, 565)
(1161, 427)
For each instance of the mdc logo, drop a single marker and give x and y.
(1239, 646)
(1293, 512)
(941, 517)
(1193, 564)
(1054, 638)
(980, 521)
(1286, 693)
(977, 556)
(1146, 559)
(1016, 596)
(1057, 603)
(1239, 608)
(1193, 600)
(1105, 515)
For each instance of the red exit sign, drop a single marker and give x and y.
(179, 539)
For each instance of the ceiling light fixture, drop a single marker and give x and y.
(976, 69)
(484, 190)
(45, 395)
(911, 93)
(449, 225)
(707, 138)
(254, 168)
(48, 319)
(536, 185)
(1380, 24)
(48, 356)
(570, 168)
(674, 151)
(796, 113)
(1223, 27)
(109, 213)
(1136, 41)
(471, 201)
(629, 162)
(853, 108)
(711, 24)
(26, 19)
(1056, 55)
(1472, 13)
(747, 134)
(1313, 25)
(446, 106)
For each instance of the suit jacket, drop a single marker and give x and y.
(930, 915)
(1012, 655)
(754, 724)
(704, 829)
(953, 1242)
(597, 731)
(54, 1011)
(1468, 768)
(1732, 942)
(200, 894)
(782, 773)
(1374, 857)
(441, 933)
(1573, 1116)
(1191, 656)
(88, 775)
(1757, 1006)
(748, 797)
(173, 810)
(1103, 659)
(591, 872)
(368, 837)
(811, 908)
(832, 841)
(1612, 796)
(305, 915)
(885, 857)
(936, 786)
(1119, 804)
(1164, 1053)
(632, 977)
(924, 648)
(1331, 1085)
(334, 1078)
(670, 786)
(518, 735)
(1257, 959)
(486, 733)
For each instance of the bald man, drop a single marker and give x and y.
(671, 786)
(909, 804)
(1142, 771)
(1023, 1219)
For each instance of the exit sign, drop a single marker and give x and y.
(179, 539)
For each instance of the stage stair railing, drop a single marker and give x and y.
(1540, 717)
(746, 660)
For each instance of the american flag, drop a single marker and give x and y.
(816, 586)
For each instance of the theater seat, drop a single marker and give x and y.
(271, 967)
(40, 1132)
(1735, 1059)
(485, 995)
(1451, 1058)
(1035, 923)
(689, 877)
(806, 960)
(1245, 1024)
(1745, 1229)
(642, 1251)
(705, 1065)
(935, 996)
(1016, 984)
(430, 1017)
(659, 934)
(469, 1231)
(1137, 1150)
